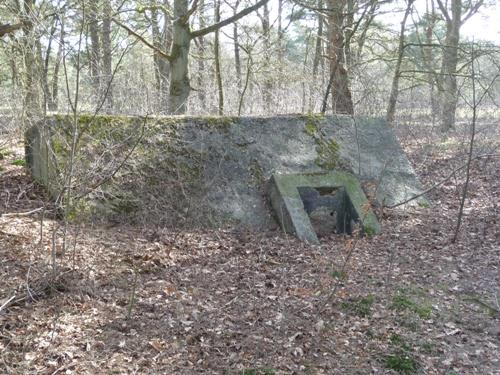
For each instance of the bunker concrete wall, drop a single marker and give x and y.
(214, 170)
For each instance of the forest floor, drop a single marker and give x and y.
(153, 301)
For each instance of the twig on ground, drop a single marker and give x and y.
(6, 303)
(11, 214)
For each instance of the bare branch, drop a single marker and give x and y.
(227, 21)
(8, 28)
(142, 39)
(444, 10)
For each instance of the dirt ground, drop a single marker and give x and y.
(136, 300)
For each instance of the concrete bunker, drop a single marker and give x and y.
(308, 205)
(182, 171)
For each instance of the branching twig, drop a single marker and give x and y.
(443, 180)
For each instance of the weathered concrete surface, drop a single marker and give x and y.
(210, 170)
(289, 206)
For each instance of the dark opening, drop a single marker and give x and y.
(330, 209)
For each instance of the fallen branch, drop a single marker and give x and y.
(23, 213)
(36, 288)
(7, 303)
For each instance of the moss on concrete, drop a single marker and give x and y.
(326, 148)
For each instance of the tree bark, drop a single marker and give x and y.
(237, 58)
(53, 101)
(268, 84)
(218, 75)
(32, 100)
(318, 52)
(179, 53)
(107, 58)
(340, 90)
(201, 58)
(8, 28)
(428, 56)
(449, 95)
(95, 50)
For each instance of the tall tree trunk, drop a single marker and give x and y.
(107, 58)
(164, 64)
(47, 96)
(428, 56)
(44, 81)
(349, 24)
(95, 50)
(318, 51)
(179, 82)
(155, 26)
(218, 75)
(32, 101)
(237, 58)
(53, 101)
(449, 95)
(340, 89)
(201, 58)
(268, 85)
(393, 97)
(281, 51)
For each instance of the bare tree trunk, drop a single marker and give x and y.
(44, 82)
(303, 106)
(449, 94)
(155, 27)
(237, 58)
(164, 64)
(53, 102)
(351, 5)
(179, 82)
(201, 58)
(107, 58)
(218, 75)
(32, 103)
(95, 50)
(162, 42)
(340, 90)
(428, 56)
(268, 85)
(281, 51)
(474, 106)
(179, 53)
(318, 51)
(393, 98)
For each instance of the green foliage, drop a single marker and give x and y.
(402, 359)
(337, 274)
(4, 153)
(19, 162)
(402, 363)
(398, 341)
(423, 204)
(259, 371)
(369, 230)
(361, 307)
(402, 301)
(428, 347)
